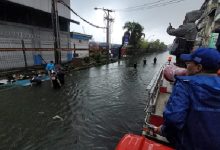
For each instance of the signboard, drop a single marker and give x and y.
(213, 39)
(126, 38)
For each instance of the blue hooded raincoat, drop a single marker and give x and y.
(192, 113)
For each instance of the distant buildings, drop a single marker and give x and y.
(80, 42)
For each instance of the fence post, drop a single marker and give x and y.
(23, 49)
(74, 46)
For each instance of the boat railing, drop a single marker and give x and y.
(152, 93)
(153, 87)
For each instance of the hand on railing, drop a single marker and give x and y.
(157, 130)
(149, 130)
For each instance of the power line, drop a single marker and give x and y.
(164, 4)
(146, 4)
(62, 2)
(151, 5)
(156, 4)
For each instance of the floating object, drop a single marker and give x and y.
(58, 117)
(3, 81)
(41, 112)
(27, 82)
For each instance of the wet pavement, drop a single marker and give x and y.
(93, 110)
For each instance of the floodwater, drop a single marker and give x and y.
(93, 110)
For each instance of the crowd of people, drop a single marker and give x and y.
(55, 73)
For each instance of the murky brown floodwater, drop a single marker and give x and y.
(98, 106)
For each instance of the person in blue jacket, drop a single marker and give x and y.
(192, 113)
(50, 66)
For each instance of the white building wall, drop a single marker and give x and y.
(82, 53)
(45, 5)
(79, 44)
(11, 35)
(82, 47)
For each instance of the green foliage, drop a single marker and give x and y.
(153, 46)
(136, 32)
(96, 57)
(138, 42)
(86, 59)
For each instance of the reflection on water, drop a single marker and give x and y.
(98, 106)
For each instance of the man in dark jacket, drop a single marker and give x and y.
(193, 110)
(185, 35)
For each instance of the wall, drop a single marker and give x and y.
(11, 35)
(37, 41)
(45, 5)
(81, 46)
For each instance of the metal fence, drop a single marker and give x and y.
(11, 58)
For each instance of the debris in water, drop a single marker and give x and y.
(41, 112)
(58, 117)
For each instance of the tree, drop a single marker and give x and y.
(156, 46)
(136, 32)
(153, 46)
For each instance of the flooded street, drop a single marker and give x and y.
(93, 110)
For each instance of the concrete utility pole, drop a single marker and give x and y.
(109, 19)
(56, 28)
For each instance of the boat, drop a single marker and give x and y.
(158, 91)
(19, 83)
(137, 142)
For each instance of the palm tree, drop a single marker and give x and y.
(136, 32)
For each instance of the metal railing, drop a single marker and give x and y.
(153, 91)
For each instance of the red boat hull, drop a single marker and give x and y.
(136, 142)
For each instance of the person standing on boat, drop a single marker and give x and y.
(185, 36)
(191, 116)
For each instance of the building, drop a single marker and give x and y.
(208, 22)
(30, 21)
(80, 43)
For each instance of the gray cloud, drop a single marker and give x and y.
(155, 20)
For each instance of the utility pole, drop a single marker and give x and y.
(55, 24)
(109, 20)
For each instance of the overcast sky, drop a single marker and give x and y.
(154, 20)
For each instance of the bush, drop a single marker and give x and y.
(86, 59)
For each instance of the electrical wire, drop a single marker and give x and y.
(146, 4)
(62, 2)
(151, 5)
(156, 4)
